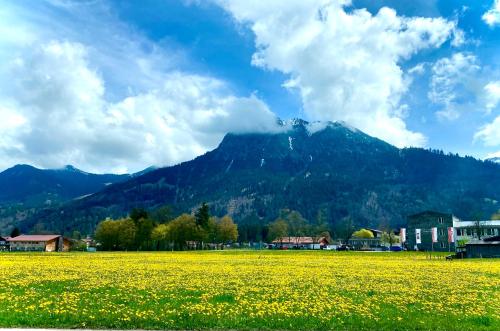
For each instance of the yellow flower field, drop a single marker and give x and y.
(248, 290)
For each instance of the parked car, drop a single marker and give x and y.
(344, 247)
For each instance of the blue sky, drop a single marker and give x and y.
(113, 86)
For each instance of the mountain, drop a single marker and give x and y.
(316, 168)
(27, 184)
(25, 189)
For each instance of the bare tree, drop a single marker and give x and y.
(478, 226)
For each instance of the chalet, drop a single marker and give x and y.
(38, 242)
(4, 243)
(302, 242)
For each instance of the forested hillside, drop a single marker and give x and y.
(332, 170)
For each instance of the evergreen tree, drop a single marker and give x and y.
(202, 216)
(137, 213)
(144, 228)
(162, 215)
(15, 232)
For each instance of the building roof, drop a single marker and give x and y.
(491, 243)
(429, 212)
(34, 237)
(466, 224)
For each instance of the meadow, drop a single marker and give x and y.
(248, 290)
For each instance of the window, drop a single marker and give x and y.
(459, 232)
(441, 220)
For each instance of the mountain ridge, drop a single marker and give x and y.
(24, 189)
(336, 170)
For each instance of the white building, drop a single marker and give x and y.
(468, 230)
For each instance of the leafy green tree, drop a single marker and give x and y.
(116, 234)
(126, 234)
(389, 238)
(203, 215)
(297, 225)
(184, 229)
(363, 233)
(78, 245)
(226, 230)
(496, 216)
(209, 234)
(162, 235)
(106, 234)
(277, 230)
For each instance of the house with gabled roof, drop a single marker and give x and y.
(39, 242)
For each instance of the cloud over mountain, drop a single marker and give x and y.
(61, 103)
(344, 62)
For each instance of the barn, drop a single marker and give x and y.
(39, 242)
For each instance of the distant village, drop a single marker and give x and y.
(428, 231)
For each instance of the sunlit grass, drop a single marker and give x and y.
(248, 290)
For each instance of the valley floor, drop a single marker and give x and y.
(277, 290)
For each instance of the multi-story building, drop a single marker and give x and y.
(463, 231)
(425, 221)
(471, 230)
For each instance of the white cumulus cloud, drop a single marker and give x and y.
(451, 77)
(60, 115)
(345, 64)
(492, 95)
(76, 90)
(492, 16)
(490, 133)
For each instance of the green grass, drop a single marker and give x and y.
(274, 290)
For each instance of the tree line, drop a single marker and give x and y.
(160, 231)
